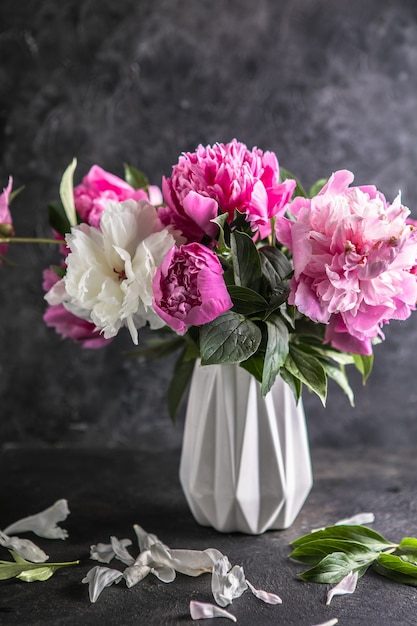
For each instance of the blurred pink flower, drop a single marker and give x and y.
(68, 325)
(189, 289)
(225, 178)
(6, 226)
(99, 186)
(354, 257)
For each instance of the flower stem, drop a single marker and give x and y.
(31, 240)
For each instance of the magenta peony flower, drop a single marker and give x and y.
(6, 226)
(354, 261)
(99, 186)
(67, 324)
(189, 289)
(224, 177)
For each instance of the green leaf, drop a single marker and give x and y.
(66, 193)
(15, 192)
(230, 338)
(299, 190)
(275, 265)
(27, 571)
(246, 261)
(254, 365)
(334, 567)
(178, 386)
(394, 567)
(314, 551)
(356, 533)
(158, 348)
(221, 222)
(339, 376)
(276, 351)
(309, 370)
(408, 545)
(135, 178)
(293, 382)
(364, 364)
(246, 301)
(316, 187)
(58, 219)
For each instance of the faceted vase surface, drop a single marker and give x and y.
(245, 463)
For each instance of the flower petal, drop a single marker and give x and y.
(265, 596)
(24, 548)
(204, 610)
(346, 585)
(330, 622)
(43, 524)
(98, 578)
(135, 573)
(227, 584)
(358, 519)
(120, 552)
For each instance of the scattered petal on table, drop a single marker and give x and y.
(358, 519)
(188, 562)
(164, 573)
(104, 552)
(265, 596)
(204, 610)
(330, 622)
(43, 524)
(120, 552)
(146, 540)
(227, 584)
(24, 548)
(346, 585)
(98, 578)
(135, 573)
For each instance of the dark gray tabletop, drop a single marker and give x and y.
(109, 491)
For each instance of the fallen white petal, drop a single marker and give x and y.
(358, 519)
(227, 584)
(204, 610)
(104, 552)
(98, 578)
(24, 548)
(188, 562)
(265, 596)
(120, 552)
(43, 524)
(346, 585)
(146, 540)
(330, 622)
(135, 573)
(164, 573)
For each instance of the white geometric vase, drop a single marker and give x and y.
(245, 463)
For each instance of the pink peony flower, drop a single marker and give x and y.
(67, 324)
(354, 257)
(99, 186)
(189, 289)
(6, 226)
(225, 178)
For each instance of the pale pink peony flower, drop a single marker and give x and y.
(354, 257)
(6, 225)
(225, 178)
(99, 186)
(68, 325)
(189, 289)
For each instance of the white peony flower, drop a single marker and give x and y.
(110, 271)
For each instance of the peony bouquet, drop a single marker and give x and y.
(232, 262)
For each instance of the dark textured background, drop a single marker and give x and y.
(326, 85)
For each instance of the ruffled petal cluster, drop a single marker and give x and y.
(224, 178)
(189, 287)
(109, 273)
(354, 258)
(6, 225)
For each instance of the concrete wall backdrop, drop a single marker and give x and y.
(326, 85)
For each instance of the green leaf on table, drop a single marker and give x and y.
(27, 571)
(276, 351)
(408, 545)
(308, 369)
(314, 551)
(396, 568)
(246, 261)
(230, 338)
(246, 301)
(135, 178)
(356, 533)
(335, 566)
(66, 193)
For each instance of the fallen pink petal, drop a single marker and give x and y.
(204, 610)
(265, 596)
(346, 585)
